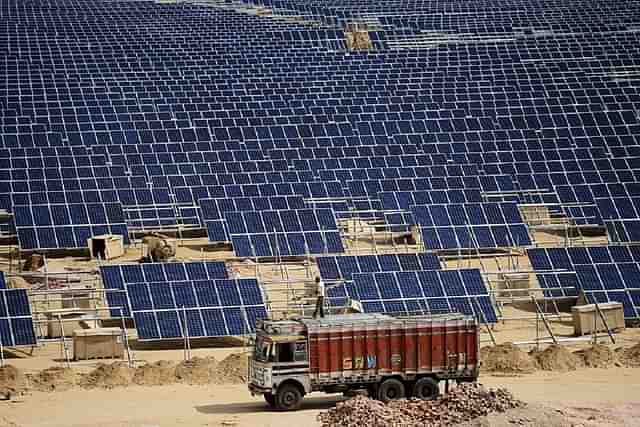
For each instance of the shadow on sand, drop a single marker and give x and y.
(308, 404)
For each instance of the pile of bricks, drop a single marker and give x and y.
(464, 403)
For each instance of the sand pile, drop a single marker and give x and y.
(466, 402)
(12, 381)
(53, 379)
(197, 371)
(159, 373)
(117, 374)
(629, 357)
(506, 358)
(597, 356)
(557, 358)
(232, 369)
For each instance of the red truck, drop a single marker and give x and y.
(388, 357)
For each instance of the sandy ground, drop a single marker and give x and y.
(595, 396)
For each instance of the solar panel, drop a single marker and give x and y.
(116, 278)
(612, 282)
(567, 258)
(201, 308)
(212, 210)
(67, 225)
(559, 284)
(412, 292)
(283, 233)
(16, 320)
(471, 225)
(3, 281)
(344, 267)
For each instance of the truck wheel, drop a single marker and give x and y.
(288, 397)
(270, 399)
(426, 388)
(390, 389)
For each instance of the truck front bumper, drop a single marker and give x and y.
(256, 389)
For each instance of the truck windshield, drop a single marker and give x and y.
(262, 350)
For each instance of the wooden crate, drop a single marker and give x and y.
(98, 343)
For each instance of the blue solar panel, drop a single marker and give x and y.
(116, 277)
(67, 226)
(471, 225)
(284, 233)
(343, 267)
(166, 310)
(16, 321)
(3, 281)
(434, 291)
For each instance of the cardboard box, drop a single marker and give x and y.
(108, 246)
(586, 319)
(69, 321)
(98, 343)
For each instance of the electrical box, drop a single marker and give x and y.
(586, 319)
(107, 246)
(98, 343)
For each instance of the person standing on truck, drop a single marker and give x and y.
(320, 292)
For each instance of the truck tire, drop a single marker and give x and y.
(270, 399)
(426, 389)
(288, 398)
(390, 389)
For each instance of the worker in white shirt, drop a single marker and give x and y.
(320, 291)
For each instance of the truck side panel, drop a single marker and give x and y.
(362, 352)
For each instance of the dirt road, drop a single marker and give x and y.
(595, 396)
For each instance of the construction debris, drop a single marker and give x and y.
(597, 356)
(506, 359)
(629, 357)
(557, 358)
(12, 382)
(466, 402)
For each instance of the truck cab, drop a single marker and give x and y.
(279, 368)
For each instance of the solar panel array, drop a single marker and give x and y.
(516, 96)
(212, 211)
(200, 308)
(602, 273)
(67, 225)
(471, 225)
(283, 232)
(115, 278)
(418, 292)
(333, 268)
(16, 320)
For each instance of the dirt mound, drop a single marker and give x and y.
(12, 381)
(597, 356)
(108, 376)
(53, 379)
(466, 402)
(232, 369)
(506, 358)
(197, 371)
(557, 358)
(629, 357)
(159, 373)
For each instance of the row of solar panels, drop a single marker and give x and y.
(197, 299)
(601, 273)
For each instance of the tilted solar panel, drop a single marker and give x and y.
(202, 308)
(16, 320)
(344, 267)
(418, 292)
(67, 225)
(116, 278)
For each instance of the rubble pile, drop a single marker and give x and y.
(466, 402)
